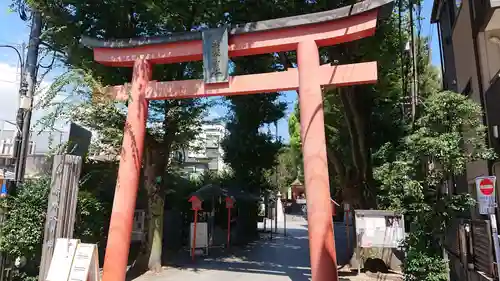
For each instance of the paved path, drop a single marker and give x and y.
(280, 259)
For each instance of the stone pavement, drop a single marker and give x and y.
(280, 259)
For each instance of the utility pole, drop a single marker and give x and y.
(26, 101)
(20, 112)
(414, 55)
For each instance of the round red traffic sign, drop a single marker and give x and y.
(486, 186)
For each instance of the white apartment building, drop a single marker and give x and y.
(41, 143)
(206, 153)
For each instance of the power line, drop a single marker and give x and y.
(11, 43)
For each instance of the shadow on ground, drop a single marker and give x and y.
(283, 256)
(280, 259)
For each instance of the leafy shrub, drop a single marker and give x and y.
(22, 231)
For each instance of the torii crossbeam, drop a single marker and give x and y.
(303, 34)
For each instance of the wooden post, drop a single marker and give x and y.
(228, 226)
(347, 225)
(61, 209)
(193, 246)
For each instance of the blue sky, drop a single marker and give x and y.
(14, 31)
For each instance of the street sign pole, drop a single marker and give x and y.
(486, 196)
(193, 247)
(284, 218)
(496, 244)
(195, 206)
(347, 226)
(229, 206)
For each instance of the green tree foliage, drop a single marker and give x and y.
(295, 141)
(171, 124)
(377, 155)
(360, 119)
(447, 135)
(404, 163)
(287, 169)
(250, 152)
(21, 234)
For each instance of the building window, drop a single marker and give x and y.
(452, 11)
(473, 7)
(31, 148)
(7, 147)
(212, 140)
(468, 89)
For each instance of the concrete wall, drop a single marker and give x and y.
(449, 73)
(466, 72)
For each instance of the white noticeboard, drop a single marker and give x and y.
(301, 201)
(201, 235)
(379, 229)
(85, 265)
(486, 194)
(74, 261)
(60, 265)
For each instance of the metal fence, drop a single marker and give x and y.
(482, 246)
(452, 239)
(469, 241)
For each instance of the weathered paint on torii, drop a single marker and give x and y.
(301, 33)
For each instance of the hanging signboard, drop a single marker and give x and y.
(486, 195)
(215, 55)
(379, 229)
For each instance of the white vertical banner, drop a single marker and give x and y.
(486, 190)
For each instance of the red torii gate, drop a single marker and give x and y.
(304, 34)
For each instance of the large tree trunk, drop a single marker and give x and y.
(156, 231)
(361, 179)
(155, 166)
(359, 114)
(155, 210)
(354, 181)
(151, 249)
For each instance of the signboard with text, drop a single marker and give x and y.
(74, 261)
(379, 229)
(215, 55)
(486, 195)
(301, 201)
(201, 235)
(85, 265)
(62, 259)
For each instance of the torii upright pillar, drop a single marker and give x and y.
(312, 133)
(303, 34)
(120, 226)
